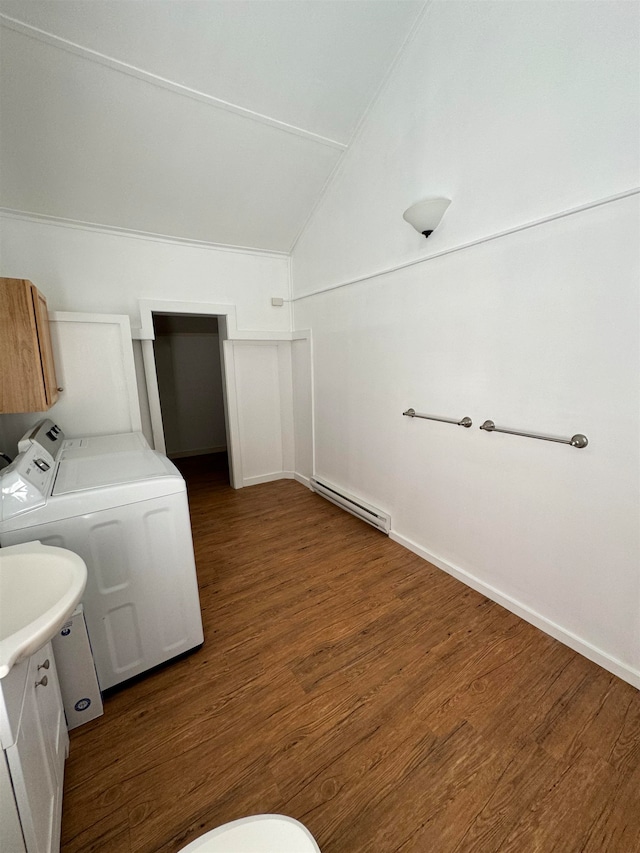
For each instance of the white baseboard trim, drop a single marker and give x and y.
(268, 478)
(578, 644)
(306, 481)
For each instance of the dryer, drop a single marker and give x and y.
(123, 508)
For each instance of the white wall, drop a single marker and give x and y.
(515, 111)
(79, 269)
(85, 270)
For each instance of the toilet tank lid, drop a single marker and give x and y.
(263, 833)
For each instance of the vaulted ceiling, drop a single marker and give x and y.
(208, 120)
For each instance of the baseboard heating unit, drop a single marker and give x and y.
(371, 514)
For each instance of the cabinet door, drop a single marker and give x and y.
(37, 781)
(11, 840)
(51, 710)
(26, 358)
(44, 345)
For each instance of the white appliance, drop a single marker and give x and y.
(123, 508)
(48, 436)
(76, 671)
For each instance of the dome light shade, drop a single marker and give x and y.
(425, 215)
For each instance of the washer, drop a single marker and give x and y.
(48, 436)
(123, 508)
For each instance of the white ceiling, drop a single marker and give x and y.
(216, 121)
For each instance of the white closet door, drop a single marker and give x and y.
(261, 410)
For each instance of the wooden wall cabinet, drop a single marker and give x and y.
(27, 373)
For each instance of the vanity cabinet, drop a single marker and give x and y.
(26, 356)
(35, 745)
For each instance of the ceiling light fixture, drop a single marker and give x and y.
(425, 215)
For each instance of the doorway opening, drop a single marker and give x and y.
(189, 363)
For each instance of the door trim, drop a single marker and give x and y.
(229, 332)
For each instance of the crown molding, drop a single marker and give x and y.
(28, 216)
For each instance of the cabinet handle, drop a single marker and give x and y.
(44, 665)
(44, 681)
(60, 389)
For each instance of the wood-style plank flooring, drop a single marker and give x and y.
(347, 683)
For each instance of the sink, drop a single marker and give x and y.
(40, 587)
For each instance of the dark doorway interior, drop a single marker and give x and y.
(190, 383)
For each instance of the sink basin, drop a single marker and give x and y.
(40, 587)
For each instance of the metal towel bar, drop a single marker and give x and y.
(577, 440)
(465, 422)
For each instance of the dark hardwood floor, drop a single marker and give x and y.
(349, 684)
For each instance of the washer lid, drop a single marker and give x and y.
(93, 472)
(264, 833)
(96, 445)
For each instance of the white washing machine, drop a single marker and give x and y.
(49, 437)
(123, 508)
